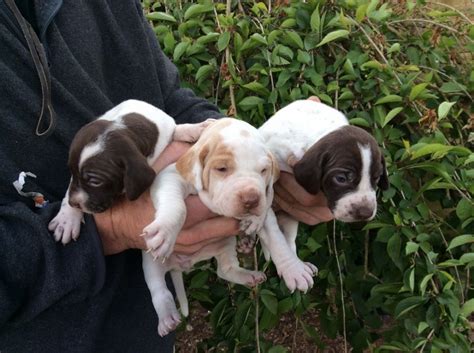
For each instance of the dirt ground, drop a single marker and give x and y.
(285, 334)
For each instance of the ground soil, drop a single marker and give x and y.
(287, 333)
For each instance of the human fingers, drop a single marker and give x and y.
(193, 238)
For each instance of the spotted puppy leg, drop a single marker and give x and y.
(66, 225)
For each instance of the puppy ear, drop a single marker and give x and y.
(383, 181)
(308, 170)
(138, 176)
(190, 165)
(275, 168)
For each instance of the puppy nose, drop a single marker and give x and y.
(363, 212)
(250, 198)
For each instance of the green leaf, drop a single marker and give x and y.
(223, 41)
(359, 122)
(408, 304)
(391, 114)
(411, 247)
(348, 67)
(303, 57)
(269, 300)
(391, 98)
(179, 50)
(259, 38)
(210, 37)
(424, 283)
(340, 33)
(467, 308)
(464, 209)
(204, 72)
(197, 9)
(443, 109)
(315, 21)
(461, 240)
(416, 90)
(160, 16)
(294, 39)
(393, 248)
(250, 102)
(257, 87)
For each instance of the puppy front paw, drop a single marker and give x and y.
(245, 243)
(298, 275)
(251, 225)
(67, 224)
(191, 132)
(159, 239)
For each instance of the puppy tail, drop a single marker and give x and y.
(177, 278)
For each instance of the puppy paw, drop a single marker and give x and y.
(67, 224)
(251, 225)
(159, 239)
(245, 243)
(245, 277)
(168, 315)
(298, 275)
(255, 277)
(191, 132)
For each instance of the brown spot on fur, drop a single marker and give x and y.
(142, 131)
(198, 153)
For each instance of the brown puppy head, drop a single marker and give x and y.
(108, 159)
(231, 168)
(347, 166)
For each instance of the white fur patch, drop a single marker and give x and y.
(363, 196)
(91, 150)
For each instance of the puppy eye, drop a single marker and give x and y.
(344, 178)
(264, 170)
(94, 182)
(340, 178)
(222, 169)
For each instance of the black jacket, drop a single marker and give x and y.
(56, 298)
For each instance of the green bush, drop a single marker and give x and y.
(400, 69)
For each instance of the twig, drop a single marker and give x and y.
(342, 288)
(426, 21)
(427, 340)
(257, 298)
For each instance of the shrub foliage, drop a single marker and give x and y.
(399, 69)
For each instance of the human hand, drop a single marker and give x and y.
(297, 202)
(120, 226)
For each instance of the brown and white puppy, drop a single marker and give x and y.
(112, 156)
(232, 171)
(325, 153)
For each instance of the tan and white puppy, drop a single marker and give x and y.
(316, 143)
(232, 171)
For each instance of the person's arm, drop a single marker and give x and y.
(35, 271)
